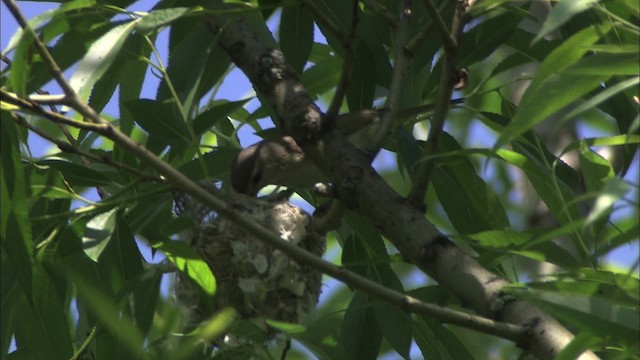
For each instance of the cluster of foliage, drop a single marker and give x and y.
(74, 280)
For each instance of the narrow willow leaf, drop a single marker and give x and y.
(361, 88)
(158, 18)
(121, 261)
(190, 263)
(21, 66)
(437, 341)
(99, 58)
(551, 89)
(77, 175)
(296, 35)
(562, 12)
(590, 313)
(97, 233)
(15, 226)
(145, 299)
(582, 342)
(360, 336)
(613, 190)
(607, 64)
(601, 96)
(103, 307)
(471, 204)
(395, 326)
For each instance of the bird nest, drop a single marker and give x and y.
(258, 281)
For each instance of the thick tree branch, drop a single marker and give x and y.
(360, 188)
(216, 200)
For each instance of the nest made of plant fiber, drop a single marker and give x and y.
(252, 277)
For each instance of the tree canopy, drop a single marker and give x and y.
(486, 227)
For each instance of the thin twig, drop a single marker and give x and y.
(447, 82)
(70, 148)
(56, 117)
(54, 69)
(448, 42)
(382, 11)
(425, 31)
(400, 68)
(347, 67)
(85, 344)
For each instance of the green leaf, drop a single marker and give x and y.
(189, 262)
(626, 139)
(120, 262)
(361, 87)
(163, 123)
(103, 307)
(158, 18)
(296, 35)
(145, 298)
(482, 40)
(323, 76)
(582, 342)
(552, 88)
(437, 341)
(617, 288)
(469, 202)
(217, 164)
(98, 59)
(188, 62)
(15, 227)
(76, 175)
(394, 322)
(607, 64)
(218, 111)
(613, 190)
(601, 96)
(395, 325)
(562, 12)
(21, 66)
(98, 232)
(589, 313)
(360, 336)
(42, 329)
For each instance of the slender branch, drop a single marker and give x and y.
(214, 199)
(400, 68)
(447, 83)
(347, 67)
(70, 148)
(449, 43)
(382, 11)
(53, 67)
(425, 31)
(85, 344)
(13, 99)
(46, 99)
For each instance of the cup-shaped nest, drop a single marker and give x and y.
(257, 280)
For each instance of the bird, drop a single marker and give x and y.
(281, 161)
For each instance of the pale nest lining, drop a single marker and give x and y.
(252, 277)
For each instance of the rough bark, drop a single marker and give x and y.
(361, 189)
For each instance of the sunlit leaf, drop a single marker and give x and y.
(98, 59)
